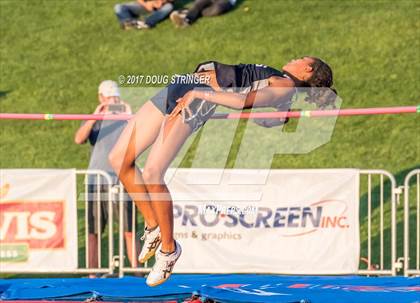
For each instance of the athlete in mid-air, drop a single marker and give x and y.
(171, 116)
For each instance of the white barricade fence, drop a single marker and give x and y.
(378, 224)
(412, 223)
(38, 228)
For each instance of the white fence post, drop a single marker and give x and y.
(393, 243)
(408, 270)
(100, 176)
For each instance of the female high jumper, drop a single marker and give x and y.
(171, 116)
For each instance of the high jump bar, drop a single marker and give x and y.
(239, 115)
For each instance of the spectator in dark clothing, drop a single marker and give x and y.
(207, 8)
(154, 11)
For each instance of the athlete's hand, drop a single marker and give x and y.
(183, 104)
(186, 100)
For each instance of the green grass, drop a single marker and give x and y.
(54, 53)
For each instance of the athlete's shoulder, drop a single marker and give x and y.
(280, 81)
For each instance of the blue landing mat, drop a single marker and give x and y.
(222, 288)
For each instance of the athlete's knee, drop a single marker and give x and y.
(153, 175)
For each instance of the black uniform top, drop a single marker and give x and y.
(244, 78)
(241, 77)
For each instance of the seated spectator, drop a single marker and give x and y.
(154, 11)
(102, 135)
(207, 8)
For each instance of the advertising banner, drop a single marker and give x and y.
(267, 221)
(38, 227)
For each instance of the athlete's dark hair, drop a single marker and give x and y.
(318, 88)
(320, 84)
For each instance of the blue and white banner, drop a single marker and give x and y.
(267, 221)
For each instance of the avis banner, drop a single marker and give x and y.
(38, 227)
(267, 221)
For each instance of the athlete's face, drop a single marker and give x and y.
(300, 68)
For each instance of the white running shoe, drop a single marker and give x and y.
(163, 267)
(151, 243)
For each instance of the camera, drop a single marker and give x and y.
(116, 108)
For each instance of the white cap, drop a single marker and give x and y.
(109, 88)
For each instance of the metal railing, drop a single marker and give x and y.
(384, 193)
(412, 265)
(384, 261)
(102, 179)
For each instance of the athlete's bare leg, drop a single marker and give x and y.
(163, 151)
(141, 131)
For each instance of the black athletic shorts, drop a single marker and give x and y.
(165, 101)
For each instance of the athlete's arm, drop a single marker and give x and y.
(270, 96)
(278, 90)
(230, 100)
